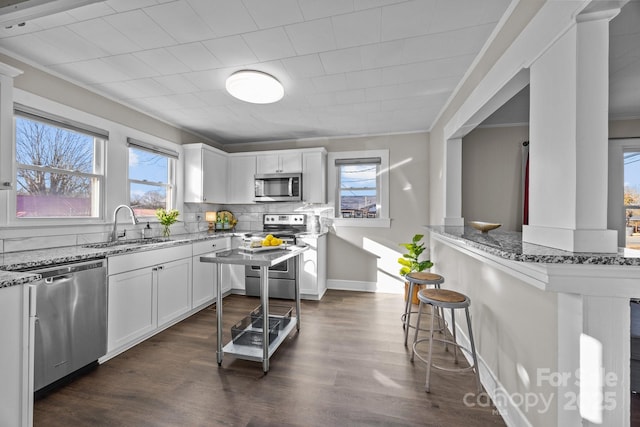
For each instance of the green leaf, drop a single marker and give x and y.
(404, 262)
(417, 238)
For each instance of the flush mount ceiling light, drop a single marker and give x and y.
(255, 87)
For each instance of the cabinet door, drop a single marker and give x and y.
(214, 177)
(204, 282)
(174, 289)
(314, 178)
(241, 179)
(312, 267)
(291, 162)
(268, 163)
(132, 307)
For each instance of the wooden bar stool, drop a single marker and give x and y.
(441, 299)
(418, 278)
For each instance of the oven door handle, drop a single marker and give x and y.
(290, 187)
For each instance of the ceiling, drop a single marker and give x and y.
(349, 67)
(624, 73)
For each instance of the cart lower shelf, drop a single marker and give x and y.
(255, 353)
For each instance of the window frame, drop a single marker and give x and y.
(383, 220)
(171, 184)
(100, 140)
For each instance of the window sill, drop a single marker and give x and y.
(362, 222)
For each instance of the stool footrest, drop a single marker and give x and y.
(442, 368)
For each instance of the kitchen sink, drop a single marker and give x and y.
(135, 242)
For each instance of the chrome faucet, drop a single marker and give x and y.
(134, 220)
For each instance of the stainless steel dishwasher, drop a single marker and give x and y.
(70, 309)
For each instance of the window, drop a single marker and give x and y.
(151, 178)
(358, 187)
(59, 166)
(360, 180)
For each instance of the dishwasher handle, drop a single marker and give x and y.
(68, 269)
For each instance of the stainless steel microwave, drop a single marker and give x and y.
(278, 187)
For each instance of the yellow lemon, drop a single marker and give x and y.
(269, 237)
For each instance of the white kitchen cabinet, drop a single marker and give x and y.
(240, 188)
(7, 174)
(174, 290)
(204, 273)
(148, 290)
(233, 275)
(205, 174)
(279, 162)
(312, 267)
(16, 389)
(131, 311)
(314, 177)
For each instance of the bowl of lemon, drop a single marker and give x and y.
(270, 240)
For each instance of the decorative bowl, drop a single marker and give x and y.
(484, 226)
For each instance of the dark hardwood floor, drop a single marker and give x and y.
(346, 367)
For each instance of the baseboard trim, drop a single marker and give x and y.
(351, 285)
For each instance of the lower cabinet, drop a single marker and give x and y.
(204, 273)
(312, 267)
(148, 291)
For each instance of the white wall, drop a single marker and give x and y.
(491, 169)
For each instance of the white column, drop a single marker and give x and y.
(453, 182)
(569, 136)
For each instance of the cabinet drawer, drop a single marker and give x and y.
(133, 261)
(212, 245)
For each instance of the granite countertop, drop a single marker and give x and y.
(509, 245)
(12, 262)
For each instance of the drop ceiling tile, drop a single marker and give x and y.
(407, 19)
(365, 78)
(224, 17)
(213, 98)
(177, 84)
(91, 71)
(140, 28)
(383, 54)
(330, 83)
(186, 100)
(19, 30)
(350, 96)
(269, 44)
(103, 35)
(124, 90)
(55, 20)
(342, 60)
(149, 87)
(68, 46)
(426, 70)
(359, 28)
(206, 80)
(314, 9)
(125, 5)
(162, 61)
(304, 66)
(32, 47)
(195, 56)
(274, 13)
(446, 45)
(455, 14)
(130, 65)
(231, 51)
(91, 11)
(312, 36)
(369, 4)
(180, 21)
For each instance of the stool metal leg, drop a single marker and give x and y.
(406, 309)
(455, 347)
(426, 384)
(407, 317)
(473, 351)
(415, 335)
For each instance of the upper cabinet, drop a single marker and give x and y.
(314, 177)
(7, 177)
(205, 174)
(279, 162)
(240, 186)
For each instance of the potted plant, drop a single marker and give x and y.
(167, 218)
(411, 262)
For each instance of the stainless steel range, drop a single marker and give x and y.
(283, 276)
